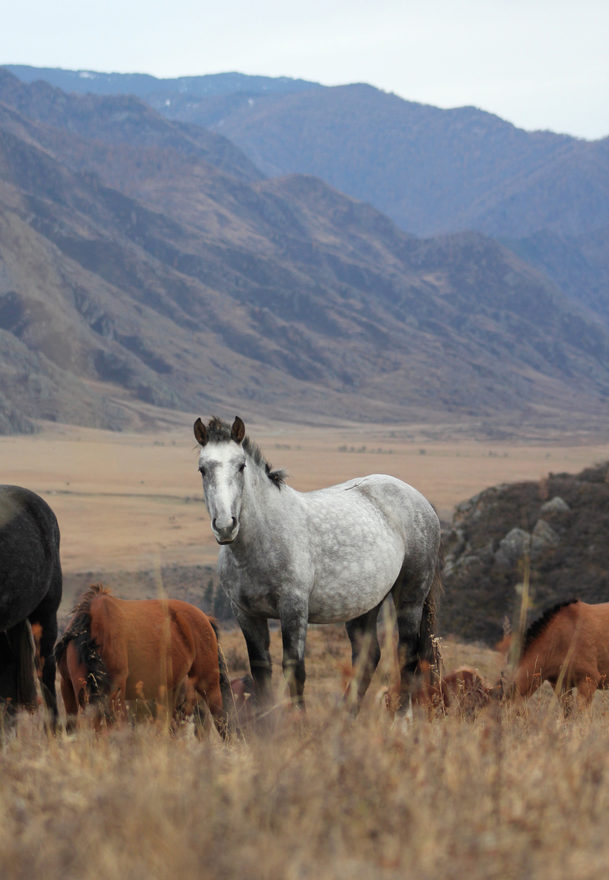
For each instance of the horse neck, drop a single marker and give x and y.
(263, 506)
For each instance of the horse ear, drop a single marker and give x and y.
(237, 432)
(200, 432)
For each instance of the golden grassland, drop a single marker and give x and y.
(129, 501)
(317, 796)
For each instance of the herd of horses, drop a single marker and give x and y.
(318, 557)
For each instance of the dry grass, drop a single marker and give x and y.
(320, 797)
(323, 796)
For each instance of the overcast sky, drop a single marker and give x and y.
(536, 63)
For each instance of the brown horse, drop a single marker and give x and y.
(463, 690)
(118, 650)
(569, 647)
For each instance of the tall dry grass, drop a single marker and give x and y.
(324, 796)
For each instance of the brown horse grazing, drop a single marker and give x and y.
(569, 647)
(118, 650)
(463, 689)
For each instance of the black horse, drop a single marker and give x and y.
(30, 593)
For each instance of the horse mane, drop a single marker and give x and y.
(539, 625)
(79, 632)
(220, 432)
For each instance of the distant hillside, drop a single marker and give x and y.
(432, 171)
(561, 523)
(428, 169)
(145, 260)
(579, 264)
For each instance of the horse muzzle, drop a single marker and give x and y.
(225, 534)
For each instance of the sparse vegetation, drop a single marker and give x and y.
(363, 448)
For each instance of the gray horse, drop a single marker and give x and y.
(320, 557)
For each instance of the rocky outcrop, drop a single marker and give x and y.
(554, 532)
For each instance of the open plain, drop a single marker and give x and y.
(127, 501)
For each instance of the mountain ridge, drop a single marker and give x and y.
(136, 268)
(432, 171)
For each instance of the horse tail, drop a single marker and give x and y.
(429, 645)
(228, 701)
(23, 646)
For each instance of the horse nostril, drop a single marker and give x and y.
(223, 528)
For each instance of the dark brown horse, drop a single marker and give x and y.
(569, 647)
(118, 650)
(30, 593)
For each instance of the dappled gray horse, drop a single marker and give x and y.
(320, 557)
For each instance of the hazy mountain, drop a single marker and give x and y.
(578, 263)
(146, 260)
(151, 88)
(432, 171)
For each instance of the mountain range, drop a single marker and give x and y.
(212, 243)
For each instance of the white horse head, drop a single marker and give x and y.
(222, 463)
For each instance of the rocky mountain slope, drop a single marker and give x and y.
(432, 171)
(146, 260)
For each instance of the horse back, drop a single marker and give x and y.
(593, 636)
(30, 568)
(196, 636)
(151, 642)
(577, 636)
(582, 627)
(400, 505)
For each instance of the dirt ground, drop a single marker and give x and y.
(134, 501)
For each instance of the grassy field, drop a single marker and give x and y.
(134, 501)
(319, 796)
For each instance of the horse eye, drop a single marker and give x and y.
(242, 467)
(202, 471)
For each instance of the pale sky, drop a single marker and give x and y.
(541, 64)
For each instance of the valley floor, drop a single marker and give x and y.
(133, 501)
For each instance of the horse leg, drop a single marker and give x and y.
(409, 623)
(412, 596)
(586, 688)
(202, 686)
(69, 701)
(257, 639)
(117, 698)
(294, 623)
(365, 653)
(48, 636)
